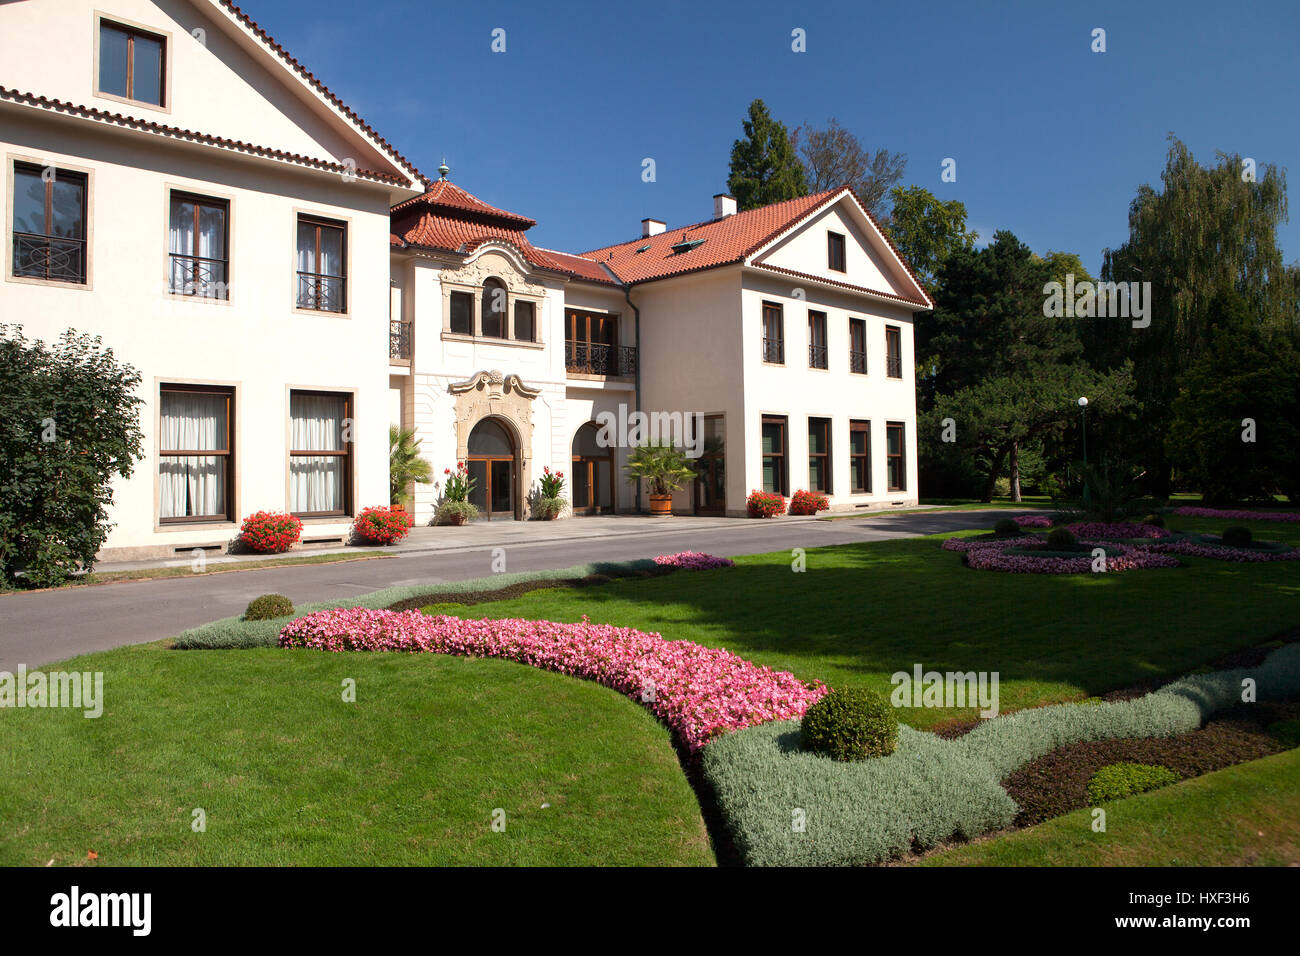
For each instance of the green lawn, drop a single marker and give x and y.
(861, 612)
(290, 774)
(1247, 815)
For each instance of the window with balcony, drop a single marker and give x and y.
(198, 242)
(835, 260)
(819, 455)
(462, 313)
(817, 340)
(132, 63)
(860, 457)
(195, 460)
(320, 453)
(591, 345)
(858, 346)
(774, 454)
(773, 334)
(49, 224)
(893, 352)
(322, 265)
(895, 458)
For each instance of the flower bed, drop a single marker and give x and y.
(764, 504)
(1190, 511)
(1033, 521)
(693, 561)
(270, 532)
(1206, 546)
(379, 525)
(963, 545)
(808, 502)
(699, 692)
(1115, 530)
(1118, 558)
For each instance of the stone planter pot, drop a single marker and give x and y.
(456, 519)
(661, 505)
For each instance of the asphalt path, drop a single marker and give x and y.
(39, 627)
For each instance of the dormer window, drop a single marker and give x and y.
(835, 252)
(132, 63)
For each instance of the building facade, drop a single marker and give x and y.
(288, 286)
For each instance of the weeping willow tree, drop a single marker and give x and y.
(1208, 229)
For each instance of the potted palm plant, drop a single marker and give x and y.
(405, 466)
(664, 467)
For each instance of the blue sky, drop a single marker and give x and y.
(1051, 139)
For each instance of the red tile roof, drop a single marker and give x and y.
(728, 240)
(447, 195)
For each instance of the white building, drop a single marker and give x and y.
(785, 332)
(288, 284)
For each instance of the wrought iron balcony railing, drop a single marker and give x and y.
(774, 350)
(49, 257)
(858, 362)
(817, 356)
(199, 276)
(321, 292)
(597, 358)
(399, 339)
(893, 366)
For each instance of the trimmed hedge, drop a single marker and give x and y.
(268, 607)
(850, 724)
(237, 633)
(931, 790)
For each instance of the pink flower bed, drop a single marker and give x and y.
(1034, 521)
(1128, 559)
(1112, 530)
(1190, 511)
(963, 545)
(1194, 549)
(699, 692)
(693, 561)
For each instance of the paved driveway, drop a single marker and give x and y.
(39, 627)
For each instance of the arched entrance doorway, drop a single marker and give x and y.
(592, 473)
(491, 464)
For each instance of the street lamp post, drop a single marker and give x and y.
(1083, 407)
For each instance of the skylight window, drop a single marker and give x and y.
(686, 245)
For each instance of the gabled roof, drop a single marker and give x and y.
(450, 198)
(723, 241)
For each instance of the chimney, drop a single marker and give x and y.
(723, 206)
(652, 227)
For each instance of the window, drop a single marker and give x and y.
(525, 321)
(860, 457)
(195, 464)
(858, 346)
(773, 334)
(774, 465)
(462, 313)
(896, 464)
(893, 352)
(835, 252)
(819, 455)
(320, 453)
(817, 340)
(198, 240)
(591, 345)
(49, 224)
(322, 265)
(131, 63)
(494, 309)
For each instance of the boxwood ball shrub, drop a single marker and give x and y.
(270, 532)
(267, 607)
(1119, 780)
(1061, 538)
(850, 724)
(1236, 536)
(1006, 528)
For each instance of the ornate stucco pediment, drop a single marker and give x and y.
(495, 263)
(495, 383)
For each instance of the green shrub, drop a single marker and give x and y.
(1006, 528)
(268, 607)
(1061, 538)
(1155, 520)
(1236, 537)
(1286, 732)
(1119, 780)
(850, 724)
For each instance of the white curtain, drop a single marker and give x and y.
(211, 245)
(192, 486)
(316, 481)
(306, 247)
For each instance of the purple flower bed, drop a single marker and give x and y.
(1114, 530)
(1034, 521)
(693, 561)
(699, 692)
(963, 545)
(1198, 549)
(1189, 511)
(1129, 558)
